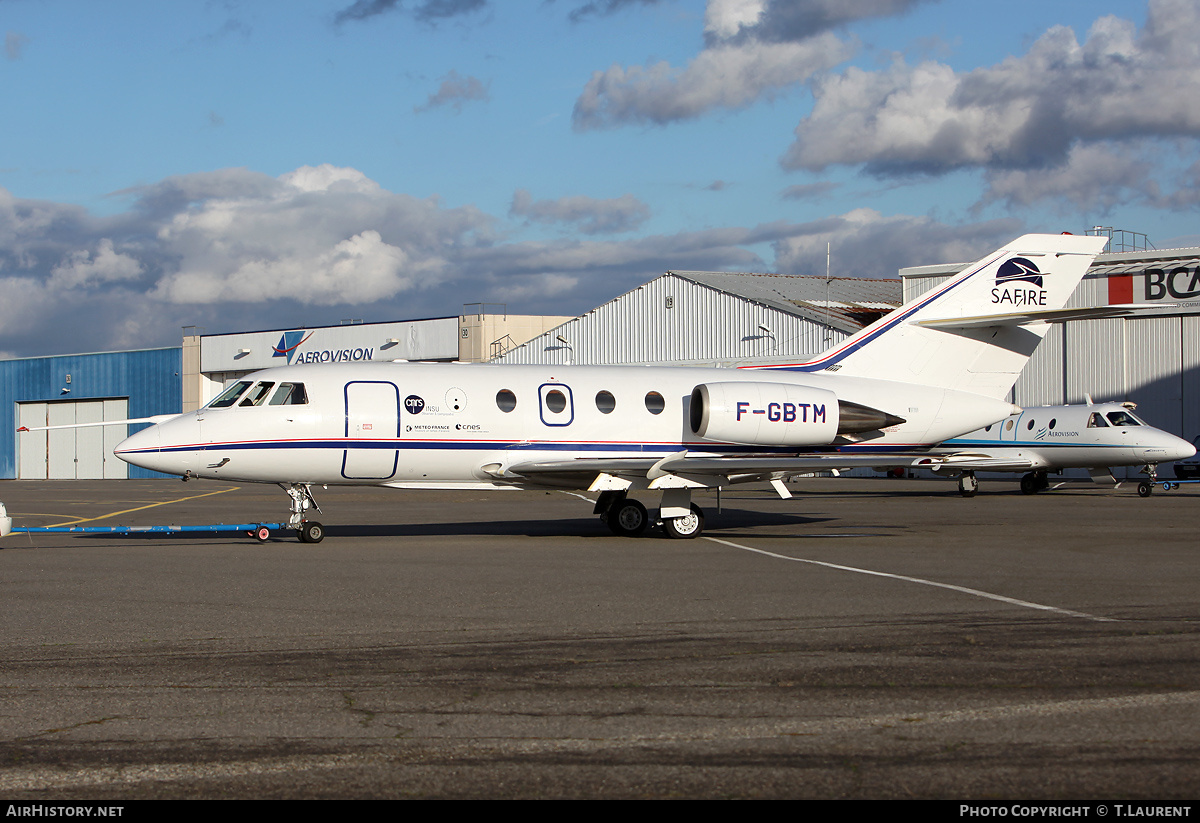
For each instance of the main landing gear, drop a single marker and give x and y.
(629, 518)
(1034, 482)
(968, 485)
(309, 531)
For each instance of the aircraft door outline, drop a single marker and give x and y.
(556, 404)
(372, 414)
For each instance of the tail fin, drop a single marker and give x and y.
(975, 332)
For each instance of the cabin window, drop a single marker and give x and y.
(1031, 423)
(257, 395)
(605, 402)
(988, 427)
(556, 401)
(506, 400)
(228, 397)
(289, 394)
(655, 403)
(1053, 422)
(1008, 424)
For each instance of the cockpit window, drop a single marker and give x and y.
(290, 394)
(257, 395)
(1096, 421)
(1120, 418)
(228, 397)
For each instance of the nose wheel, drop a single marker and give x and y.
(311, 531)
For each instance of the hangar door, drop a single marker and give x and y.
(71, 454)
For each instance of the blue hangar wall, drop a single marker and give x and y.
(149, 379)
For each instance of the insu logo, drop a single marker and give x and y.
(1017, 270)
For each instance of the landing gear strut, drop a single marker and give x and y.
(309, 531)
(1147, 486)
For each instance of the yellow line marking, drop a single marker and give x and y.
(139, 508)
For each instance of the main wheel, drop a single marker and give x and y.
(687, 527)
(628, 518)
(968, 485)
(311, 532)
(1030, 484)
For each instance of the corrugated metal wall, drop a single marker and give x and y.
(701, 324)
(149, 378)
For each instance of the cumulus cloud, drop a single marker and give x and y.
(586, 214)
(234, 250)
(866, 243)
(454, 91)
(752, 49)
(84, 268)
(1026, 112)
(725, 76)
(1093, 179)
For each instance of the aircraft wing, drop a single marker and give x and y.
(968, 461)
(700, 470)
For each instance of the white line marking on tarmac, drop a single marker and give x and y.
(974, 592)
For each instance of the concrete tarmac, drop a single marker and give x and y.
(865, 639)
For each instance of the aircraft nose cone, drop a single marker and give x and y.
(141, 448)
(1167, 449)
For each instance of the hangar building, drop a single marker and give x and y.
(715, 318)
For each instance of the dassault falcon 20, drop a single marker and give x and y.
(923, 374)
(1092, 436)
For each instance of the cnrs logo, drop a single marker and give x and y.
(1010, 279)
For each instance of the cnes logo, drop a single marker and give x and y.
(1019, 283)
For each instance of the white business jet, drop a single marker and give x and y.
(1050, 438)
(923, 374)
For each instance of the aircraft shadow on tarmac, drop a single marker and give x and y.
(731, 522)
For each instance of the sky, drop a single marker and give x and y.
(246, 164)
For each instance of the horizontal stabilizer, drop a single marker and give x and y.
(1047, 316)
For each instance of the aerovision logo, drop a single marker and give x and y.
(1012, 273)
(293, 340)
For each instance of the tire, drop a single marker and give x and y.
(685, 528)
(1030, 484)
(628, 518)
(1144, 488)
(311, 532)
(261, 534)
(968, 485)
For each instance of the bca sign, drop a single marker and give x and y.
(1169, 285)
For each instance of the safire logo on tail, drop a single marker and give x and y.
(1013, 272)
(287, 345)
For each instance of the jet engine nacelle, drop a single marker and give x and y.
(764, 414)
(778, 414)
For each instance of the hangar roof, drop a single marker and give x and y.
(846, 303)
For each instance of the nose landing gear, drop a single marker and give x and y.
(309, 531)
